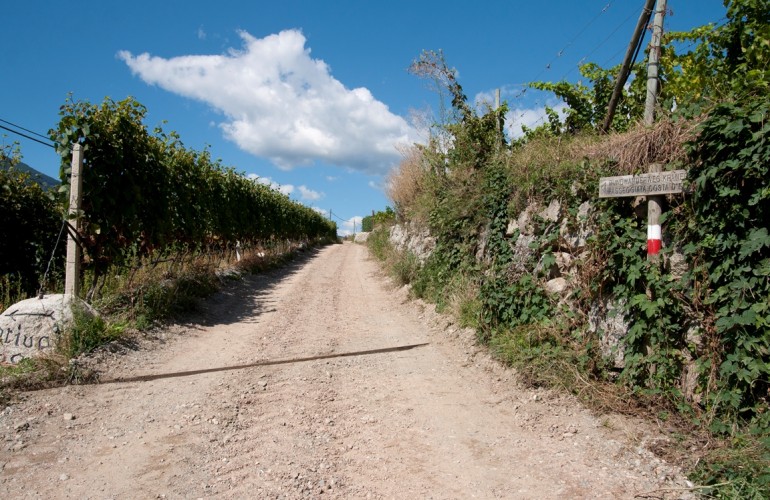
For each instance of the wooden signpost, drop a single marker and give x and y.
(642, 185)
(652, 185)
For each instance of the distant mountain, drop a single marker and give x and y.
(45, 181)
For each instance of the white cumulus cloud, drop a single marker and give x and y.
(280, 103)
(286, 189)
(308, 194)
(350, 226)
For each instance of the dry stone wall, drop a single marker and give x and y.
(606, 317)
(413, 238)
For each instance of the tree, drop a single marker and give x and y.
(727, 61)
(471, 138)
(386, 216)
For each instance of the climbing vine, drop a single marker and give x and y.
(729, 246)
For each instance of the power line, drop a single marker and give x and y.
(339, 218)
(561, 52)
(585, 57)
(601, 44)
(24, 129)
(28, 137)
(574, 38)
(566, 46)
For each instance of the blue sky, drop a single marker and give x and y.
(311, 96)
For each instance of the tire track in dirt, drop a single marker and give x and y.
(439, 421)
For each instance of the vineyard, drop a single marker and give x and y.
(148, 203)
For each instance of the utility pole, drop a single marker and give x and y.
(72, 271)
(653, 63)
(625, 68)
(654, 203)
(497, 122)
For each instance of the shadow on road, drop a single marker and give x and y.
(248, 298)
(147, 378)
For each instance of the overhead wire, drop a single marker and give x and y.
(589, 54)
(566, 46)
(24, 129)
(31, 138)
(574, 38)
(339, 218)
(46, 142)
(602, 43)
(561, 52)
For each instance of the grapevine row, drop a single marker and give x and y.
(145, 192)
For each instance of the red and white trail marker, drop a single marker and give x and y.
(653, 239)
(651, 185)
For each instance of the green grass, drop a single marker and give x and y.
(24, 366)
(738, 467)
(87, 332)
(11, 291)
(379, 244)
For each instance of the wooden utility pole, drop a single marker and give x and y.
(497, 122)
(653, 63)
(654, 203)
(72, 271)
(625, 68)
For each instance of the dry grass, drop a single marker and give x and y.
(641, 146)
(405, 183)
(550, 151)
(626, 153)
(629, 152)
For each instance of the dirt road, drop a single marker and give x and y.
(435, 421)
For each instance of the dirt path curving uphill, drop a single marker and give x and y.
(433, 421)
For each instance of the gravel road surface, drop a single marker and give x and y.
(211, 419)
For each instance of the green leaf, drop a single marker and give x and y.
(757, 239)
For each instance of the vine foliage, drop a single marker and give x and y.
(146, 192)
(31, 221)
(730, 247)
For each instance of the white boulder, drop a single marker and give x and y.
(32, 327)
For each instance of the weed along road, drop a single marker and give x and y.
(318, 380)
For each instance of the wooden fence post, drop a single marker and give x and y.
(72, 272)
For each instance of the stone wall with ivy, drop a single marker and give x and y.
(557, 281)
(557, 271)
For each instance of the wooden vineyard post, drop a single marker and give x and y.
(72, 271)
